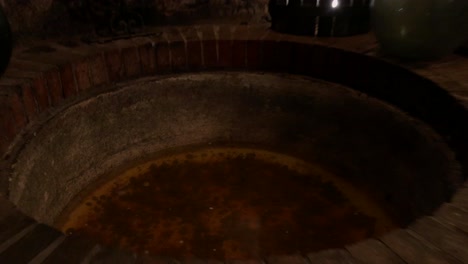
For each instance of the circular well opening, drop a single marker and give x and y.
(231, 165)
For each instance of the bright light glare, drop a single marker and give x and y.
(335, 4)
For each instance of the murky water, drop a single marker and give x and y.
(222, 203)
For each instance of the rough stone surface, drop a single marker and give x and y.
(349, 67)
(151, 116)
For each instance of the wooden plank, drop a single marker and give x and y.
(460, 199)
(412, 250)
(12, 221)
(373, 251)
(447, 238)
(333, 256)
(287, 259)
(30, 245)
(39, 258)
(73, 250)
(12, 224)
(452, 215)
(16, 237)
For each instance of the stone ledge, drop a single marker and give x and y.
(40, 77)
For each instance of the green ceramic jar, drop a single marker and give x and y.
(420, 29)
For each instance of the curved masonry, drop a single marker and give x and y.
(42, 82)
(362, 139)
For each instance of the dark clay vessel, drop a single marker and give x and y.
(5, 41)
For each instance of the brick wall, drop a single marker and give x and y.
(51, 17)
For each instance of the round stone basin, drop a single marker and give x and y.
(231, 165)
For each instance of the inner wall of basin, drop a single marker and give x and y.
(398, 160)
